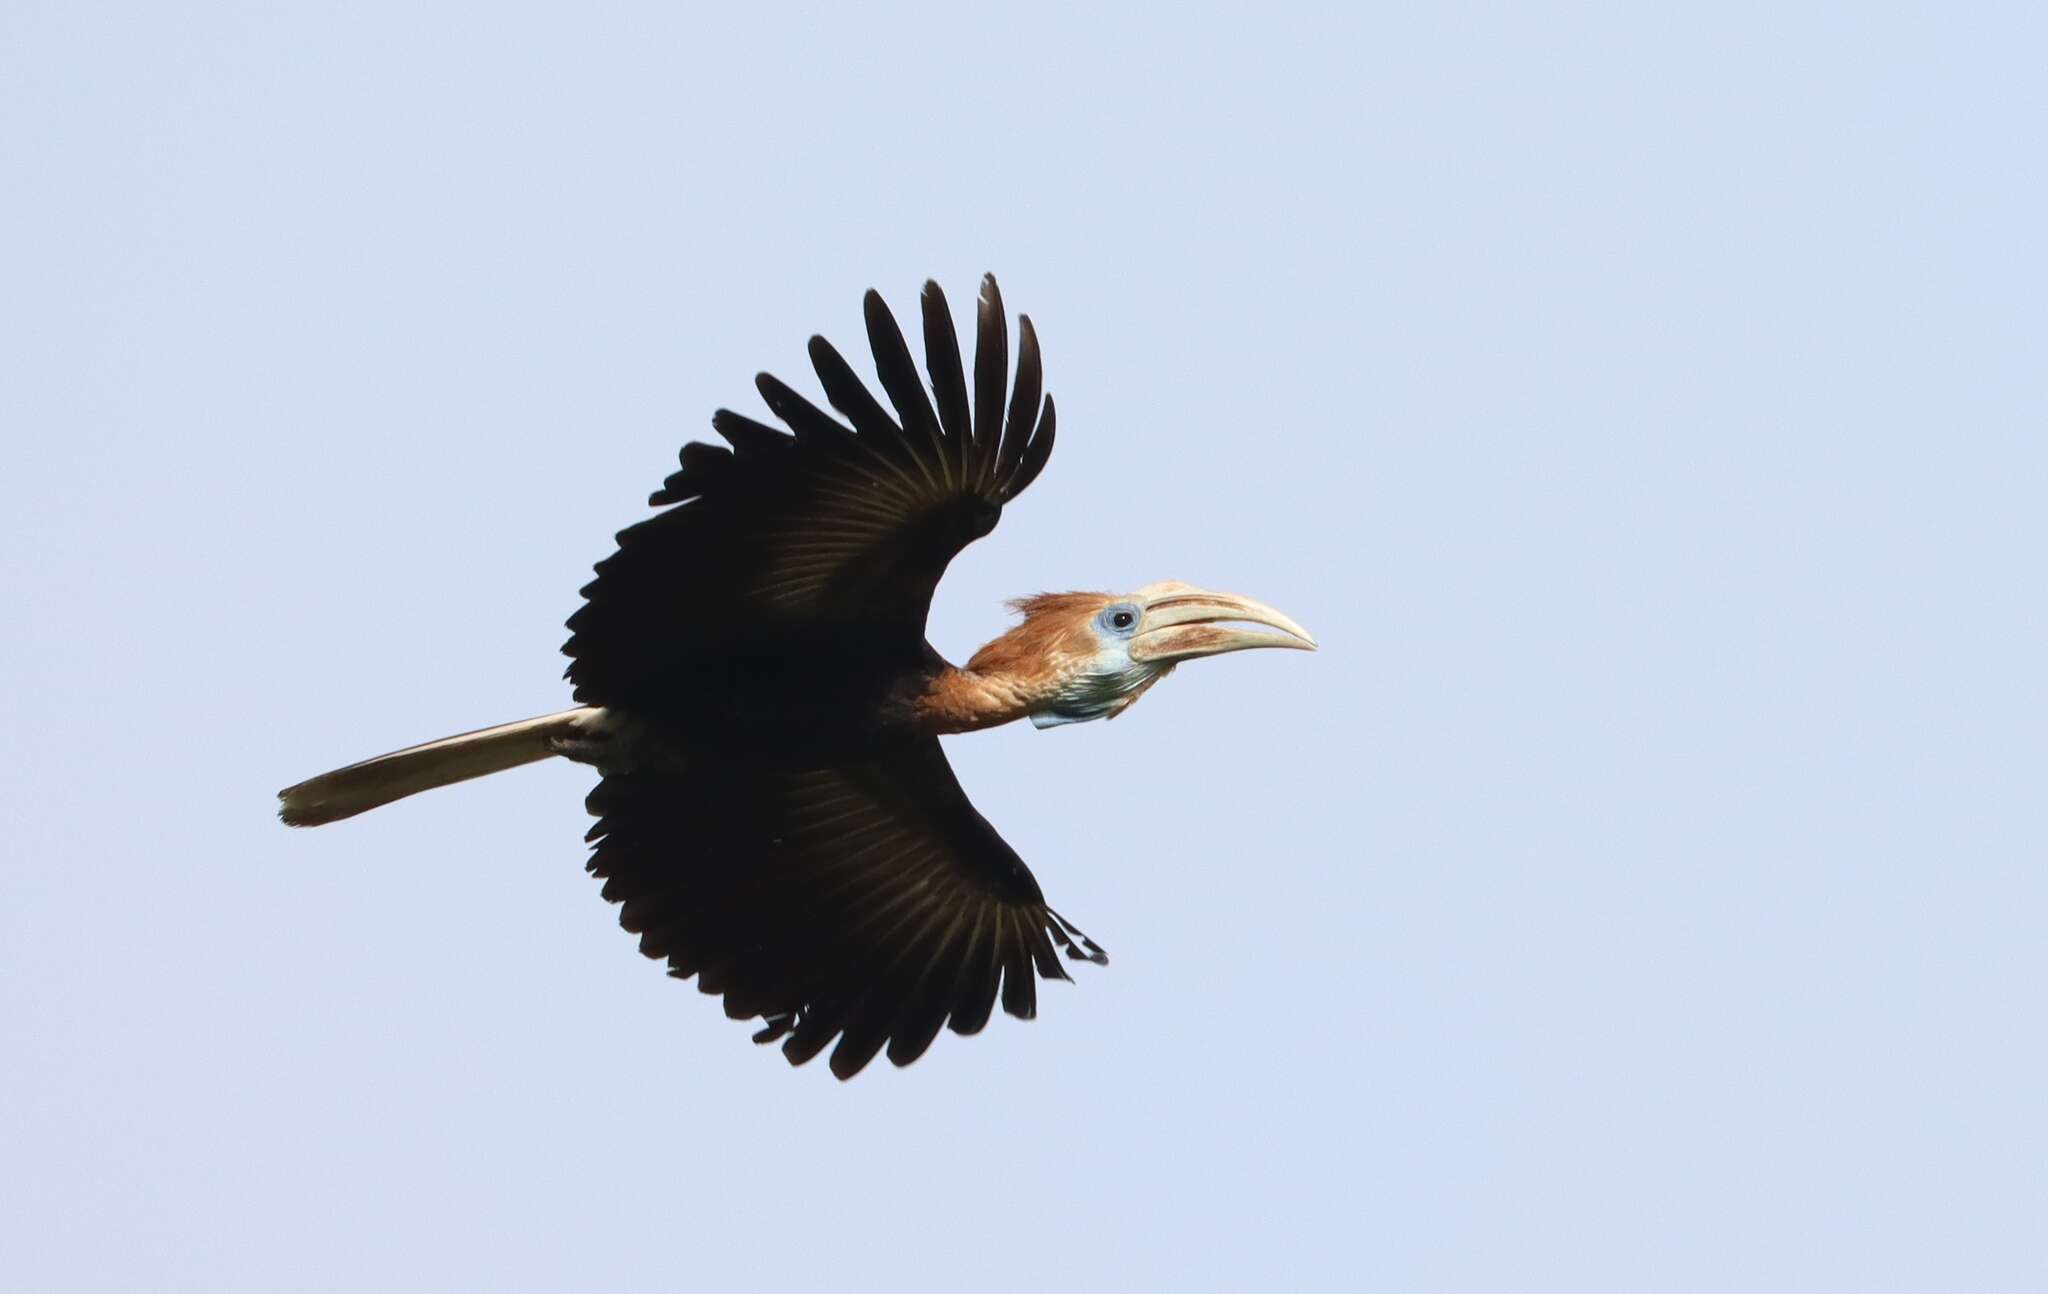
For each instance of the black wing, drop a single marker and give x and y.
(828, 530)
(868, 902)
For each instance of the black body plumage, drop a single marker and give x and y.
(777, 825)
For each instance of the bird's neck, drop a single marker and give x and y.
(967, 700)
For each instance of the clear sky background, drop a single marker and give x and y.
(1644, 888)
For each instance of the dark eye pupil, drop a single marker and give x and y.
(1121, 619)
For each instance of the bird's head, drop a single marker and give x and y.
(1088, 656)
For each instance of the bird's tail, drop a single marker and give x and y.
(346, 792)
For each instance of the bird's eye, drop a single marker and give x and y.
(1119, 618)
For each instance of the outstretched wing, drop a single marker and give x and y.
(827, 529)
(868, 902)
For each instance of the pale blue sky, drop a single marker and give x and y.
(1643, 889)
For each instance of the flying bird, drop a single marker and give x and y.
(775, 816)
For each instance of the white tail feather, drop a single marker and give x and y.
(346, 792)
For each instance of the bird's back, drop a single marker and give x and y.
(792, 696)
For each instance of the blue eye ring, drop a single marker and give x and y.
(1120, 619)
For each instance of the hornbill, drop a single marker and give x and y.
(775, 815)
